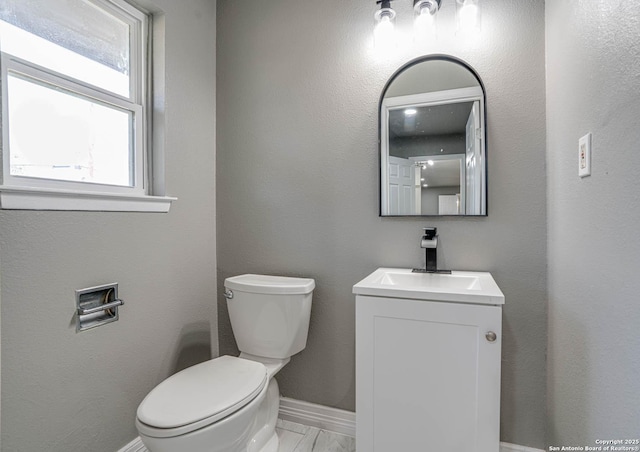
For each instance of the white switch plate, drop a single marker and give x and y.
(584, 156)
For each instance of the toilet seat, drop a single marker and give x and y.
(200, 395)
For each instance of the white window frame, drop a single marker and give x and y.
(19, 192)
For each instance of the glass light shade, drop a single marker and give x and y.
(384, 33)
(426, 6)
(424, 26)
(468, 16)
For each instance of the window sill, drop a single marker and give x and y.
(22, 198)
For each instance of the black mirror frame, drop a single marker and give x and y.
(415, 61)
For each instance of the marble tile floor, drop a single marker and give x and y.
(302, 438)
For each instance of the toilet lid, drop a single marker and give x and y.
(210, 390)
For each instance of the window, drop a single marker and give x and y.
(74, 106)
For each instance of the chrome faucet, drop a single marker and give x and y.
(430, 244)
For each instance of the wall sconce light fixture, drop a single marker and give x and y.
(425, 11)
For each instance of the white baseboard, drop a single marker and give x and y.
(324, 417)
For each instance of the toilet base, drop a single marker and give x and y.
(265, 438)
(251, 429)
(272, 444)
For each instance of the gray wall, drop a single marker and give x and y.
(593, 85)
(298, 91)
(63, 391)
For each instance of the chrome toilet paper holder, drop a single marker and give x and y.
(97, 306)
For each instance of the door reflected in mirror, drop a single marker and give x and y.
(432, 140)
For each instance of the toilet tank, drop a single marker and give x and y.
(269, 314)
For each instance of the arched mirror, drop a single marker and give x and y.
(433, 140)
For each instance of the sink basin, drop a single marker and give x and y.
(459, 286)
(430, 280)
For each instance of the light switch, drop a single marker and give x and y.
(584, 156)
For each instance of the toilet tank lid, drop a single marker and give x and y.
(266, 284)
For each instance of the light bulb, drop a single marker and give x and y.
(384, 33)
(424, 27)
(469, 17)
(410, 111)
(468, 13)
(424, 24)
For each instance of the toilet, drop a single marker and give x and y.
(231, 403)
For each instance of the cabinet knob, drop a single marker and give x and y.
(491, 336)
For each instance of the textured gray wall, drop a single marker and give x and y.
(63, 391)
(593, 85)
(298, 91)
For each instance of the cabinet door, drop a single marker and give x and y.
(427, 378)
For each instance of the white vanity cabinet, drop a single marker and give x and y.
(428, 370)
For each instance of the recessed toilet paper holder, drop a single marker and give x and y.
(96, 306)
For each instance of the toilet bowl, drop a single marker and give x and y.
(231, 403)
